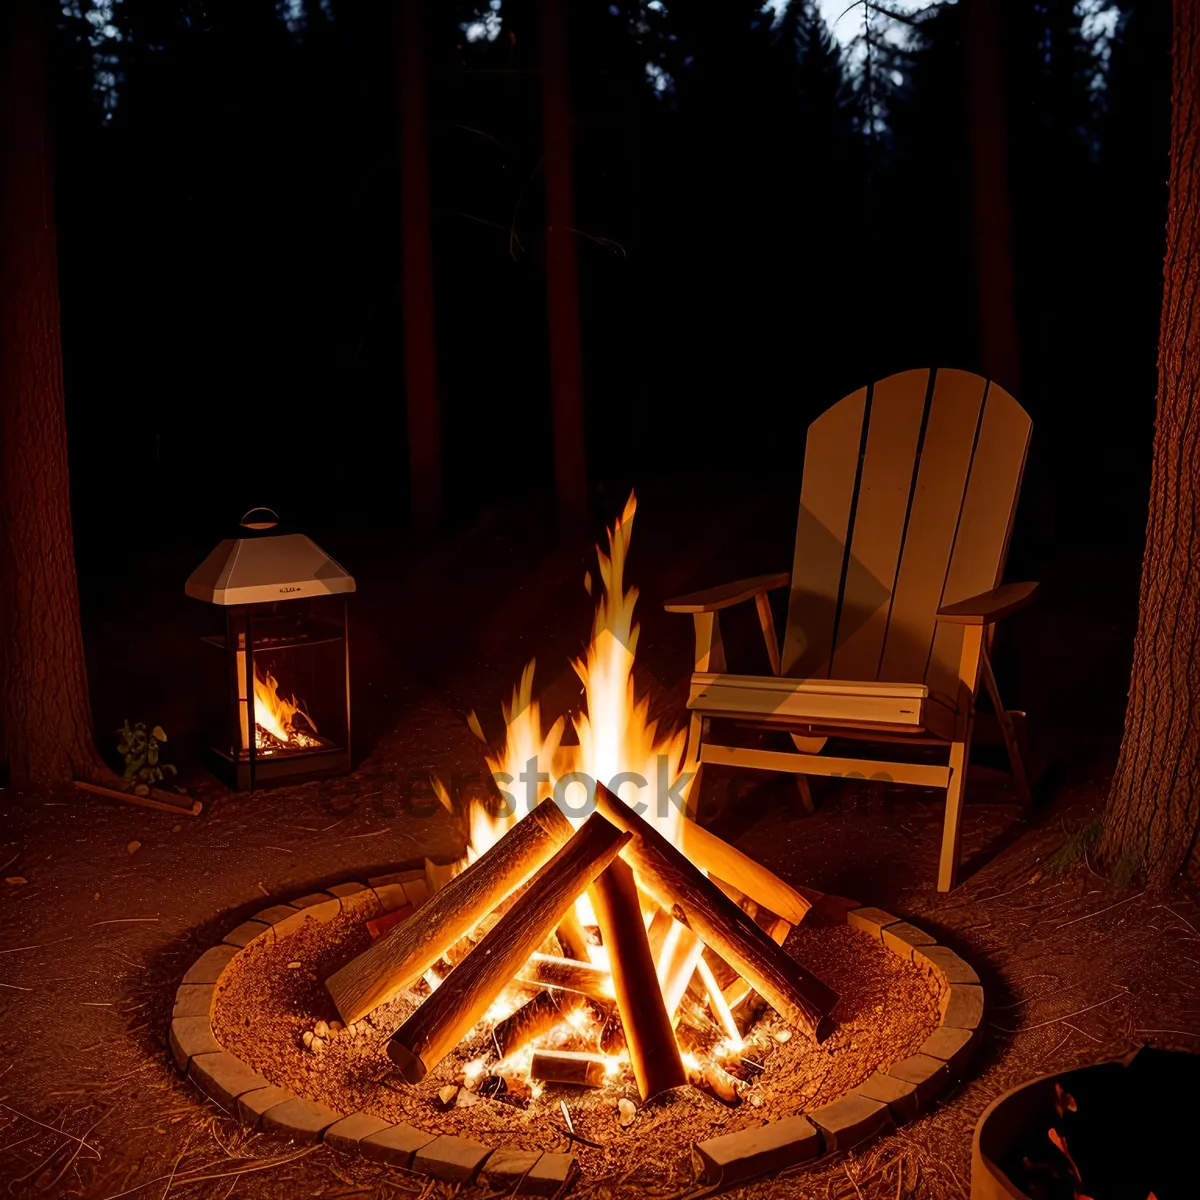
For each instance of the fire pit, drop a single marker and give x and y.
(1062, 1137)
(283, 635)
(598, 978)
(255, 1028)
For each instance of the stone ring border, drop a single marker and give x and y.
(887, 1099)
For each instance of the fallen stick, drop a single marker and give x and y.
(568, 975)
(568, 1066)
(192, 810)
(435, 1028)
(397, 960)
(716, 856)
(695, 901)
(646, 1025)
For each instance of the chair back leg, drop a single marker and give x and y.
(960, 753)
(1008, 730)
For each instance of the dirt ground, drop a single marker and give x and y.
(93, 945)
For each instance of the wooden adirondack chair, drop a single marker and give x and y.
(906, 506)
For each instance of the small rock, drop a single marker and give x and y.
(176, 828)
(134, 847)
(756, 1101)
(307, 1038)
(294, 966)
(336, 1027)
(321, 1029)
(318, 1046)
(446, 1095)
(467, 1099)
(783, 1035)
(96, 896)
(627, 1112)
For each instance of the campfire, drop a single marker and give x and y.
(600, 932)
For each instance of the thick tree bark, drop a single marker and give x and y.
(562, 266)
(47, 718)
(420, 343)
(1153, 814)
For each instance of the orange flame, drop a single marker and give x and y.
(275, 715)
(618, 743)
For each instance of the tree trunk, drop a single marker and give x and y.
(420, 345)
(1153, 813)
(999, 342)
(47, 717)
(562, 267)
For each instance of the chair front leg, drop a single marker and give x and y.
(710, 652)
(960, 752)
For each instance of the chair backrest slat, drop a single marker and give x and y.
(984, 524)
(831, 460)
(950, 435)
(906, 504)
(897, 410)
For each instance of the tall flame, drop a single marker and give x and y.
(617, 739)
(618, 743)
(274, 714)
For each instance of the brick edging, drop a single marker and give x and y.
(888, 1098)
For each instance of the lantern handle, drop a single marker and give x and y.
(264, 518)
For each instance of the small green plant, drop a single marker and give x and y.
(1076, 849)
(143, 761)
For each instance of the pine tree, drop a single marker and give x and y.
(47, 718)
(1152, 820)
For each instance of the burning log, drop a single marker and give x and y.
(676, 951)
(397, 961)
(697, 902)
(530, 1021)
(645, 1022)
(739, 989)
(571, 936)
(442, 1020)
(716, 856)
(568, 975)
(569, 1066)
(717, 1002)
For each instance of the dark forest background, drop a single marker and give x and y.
(765, 223)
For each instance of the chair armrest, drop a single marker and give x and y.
(715, 599)
(989, 606)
